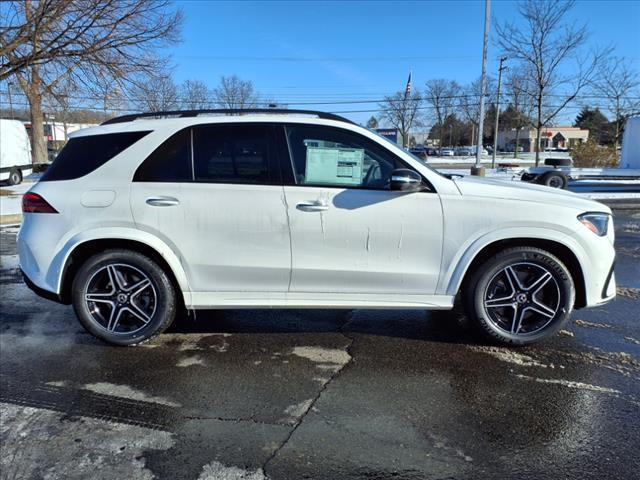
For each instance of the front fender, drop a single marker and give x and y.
(458, 266)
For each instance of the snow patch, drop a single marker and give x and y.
(510, 356)
(59, 383)
(583, 323)
(299, 409)
(186, 342)
(40, 443)
(326, 358)
(9, 262)
(125, 391)
(190, 361)
(571, 384)
(218, 471)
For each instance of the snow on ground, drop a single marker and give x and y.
(12, 204)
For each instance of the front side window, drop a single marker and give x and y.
(231, 154)
(326, 156)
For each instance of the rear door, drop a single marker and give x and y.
(349, 232)
(214, 194)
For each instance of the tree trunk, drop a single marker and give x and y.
(515, 150)
(615, 139)
(34, 97)
(539, 132)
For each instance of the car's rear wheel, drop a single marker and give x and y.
(15, 177)
(520, 296)
(554, 180)
(123, 297)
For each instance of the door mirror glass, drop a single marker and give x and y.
(405, 180)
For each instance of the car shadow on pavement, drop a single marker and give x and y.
(436, 326)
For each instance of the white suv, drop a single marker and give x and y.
(147, 214)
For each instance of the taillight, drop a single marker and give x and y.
(34, 203)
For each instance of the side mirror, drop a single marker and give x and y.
(405, 180)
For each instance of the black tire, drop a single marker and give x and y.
(553, 179)
(147, 310)
(557, 162)
(15, 177)
(489, 301)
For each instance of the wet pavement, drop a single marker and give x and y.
(322, 394)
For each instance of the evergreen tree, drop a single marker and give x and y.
(598, 125)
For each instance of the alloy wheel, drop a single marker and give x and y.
(120, 298)
(522, 298)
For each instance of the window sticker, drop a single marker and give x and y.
(340, 166)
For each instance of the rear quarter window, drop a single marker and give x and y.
(82, 155)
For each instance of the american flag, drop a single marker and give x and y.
(407, 90)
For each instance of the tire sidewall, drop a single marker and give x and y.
(499, 262)
(165, 307)
(546, 180)
(15, 177)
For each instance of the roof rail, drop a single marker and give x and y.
(227, 111)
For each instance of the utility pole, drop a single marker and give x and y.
(495, 129)
(477, 169)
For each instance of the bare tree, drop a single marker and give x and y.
(234, 92)
(518, 88)
(402, 112)
(61, 100)
(194, 95)
(155, 94)
(469, 102)
(442, 95)
(619, 85)
(545, 44)
(49, 41)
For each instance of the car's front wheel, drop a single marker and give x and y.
(123, 297)
(520, 296)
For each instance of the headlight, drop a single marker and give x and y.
(596, 222)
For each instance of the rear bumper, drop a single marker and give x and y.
(41, 292)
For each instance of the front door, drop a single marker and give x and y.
(349, 232)
(213, 193)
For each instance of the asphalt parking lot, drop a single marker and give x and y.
(322, 394)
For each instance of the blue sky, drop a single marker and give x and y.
(312, 51)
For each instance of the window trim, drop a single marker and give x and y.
(291, 166)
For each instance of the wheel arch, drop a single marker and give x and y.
(85, 249)
(555, 247)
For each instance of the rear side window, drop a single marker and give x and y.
(231, 154)
(82, 155)
(242, 153)
(170, 162)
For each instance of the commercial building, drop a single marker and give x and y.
(563, 138)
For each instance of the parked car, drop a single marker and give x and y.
(432, 152)
(15, 152)
(463, 152)
(419, 152)
(142, 215)
(447, 152)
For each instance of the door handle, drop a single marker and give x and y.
(312, 206)
(162, 201)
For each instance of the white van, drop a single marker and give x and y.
(15, 152)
